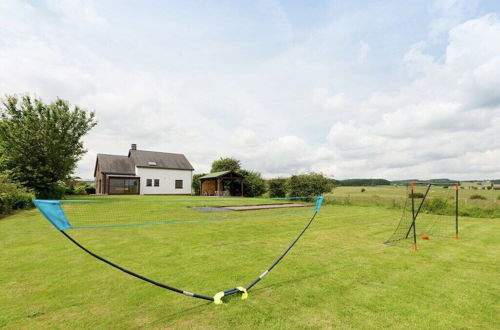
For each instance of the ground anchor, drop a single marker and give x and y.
(219, 295)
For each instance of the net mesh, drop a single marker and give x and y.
(435, 219)
(130, 212)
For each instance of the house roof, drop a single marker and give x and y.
(143, 158)
(115, 164)
(220, 174)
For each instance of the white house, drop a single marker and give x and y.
(143, 172)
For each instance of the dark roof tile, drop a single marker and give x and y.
(143, 158)
(115, 164)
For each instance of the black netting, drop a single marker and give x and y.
(435, 215)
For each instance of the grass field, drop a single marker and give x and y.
(394, 196)
(339, 275)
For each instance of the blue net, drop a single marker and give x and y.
(54, 213)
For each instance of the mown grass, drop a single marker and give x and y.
(339, 275)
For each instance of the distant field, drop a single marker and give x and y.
(394, 196)
(339, 275)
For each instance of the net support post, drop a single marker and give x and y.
(414, 248)
(456, 211)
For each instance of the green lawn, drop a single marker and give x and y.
(339, 275)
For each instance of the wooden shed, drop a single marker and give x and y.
(226, 183)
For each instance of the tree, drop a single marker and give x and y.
(305, 185)
(196, 185)
(254, 185)
(225, 164)
(41, 143)
(277, 187)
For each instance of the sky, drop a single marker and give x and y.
(352, 89)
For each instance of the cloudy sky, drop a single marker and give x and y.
(391, 89)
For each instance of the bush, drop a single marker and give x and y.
(306, 185)
(80, 190)
(363, 190)
(54, 192)
(254, 185)
(76, 187)
(13, 196)
(477, 196)
(277, 187)
(437, 206)
(416, 195)
(90, 189)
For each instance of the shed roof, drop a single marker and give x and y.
(143, 158)
(220, 174)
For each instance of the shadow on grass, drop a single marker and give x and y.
(175, 316)
(292, 280)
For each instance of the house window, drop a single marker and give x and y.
(149, 182)
(157, 182)
(178, 184)
(121, 186)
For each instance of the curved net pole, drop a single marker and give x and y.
(161, 285)
(54, 213)
(261, 276)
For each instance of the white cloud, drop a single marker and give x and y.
(323, 98)
(447, 121)
(449, 14)
(306, 104)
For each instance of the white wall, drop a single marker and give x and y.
(167, 180)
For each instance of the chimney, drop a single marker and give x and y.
(133, 147)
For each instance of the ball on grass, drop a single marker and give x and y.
(425, 236)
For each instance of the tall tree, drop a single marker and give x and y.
(42, 143)
(226, 164)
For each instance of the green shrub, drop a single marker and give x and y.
(437, 206)
(416, 195)
(305, 185)
(13, 196)
(76, 187)
(80, 190)
(90, 189)
(363, 189)
(254, 185)
(277, 187)
(477, 196)
(54, 192)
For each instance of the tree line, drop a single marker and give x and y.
(303, 185)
